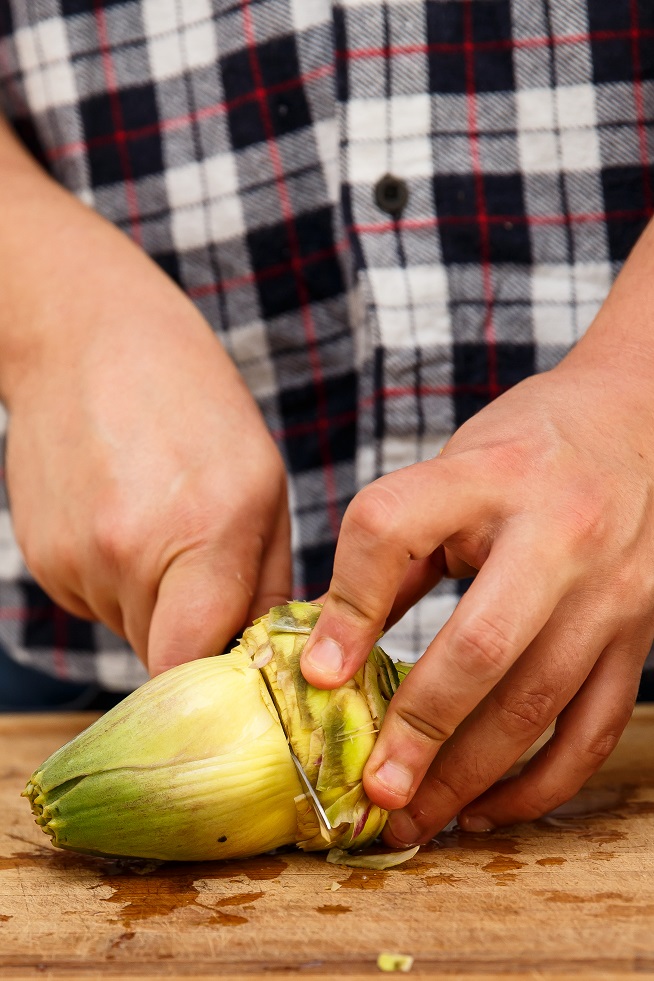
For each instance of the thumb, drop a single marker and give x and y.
(197, 612)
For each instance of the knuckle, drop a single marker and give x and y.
(537, 802)
(445, 784)
(630, 591)
(485, 647)
(376, 511)
(585, 516)
(426, 731)
(524, 711)
(352, 610)
(114, 535)
(598, 747)
(439, 788)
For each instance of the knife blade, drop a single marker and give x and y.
(319, 809)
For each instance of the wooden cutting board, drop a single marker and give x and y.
(569, 896)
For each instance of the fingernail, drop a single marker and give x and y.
(475, 823)
(395, 777)
(326, 655)
(402, 828)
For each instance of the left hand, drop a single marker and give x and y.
(549, 493)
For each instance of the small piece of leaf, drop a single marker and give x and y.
(376, 862)
(262, 657)
(395, 962)
(403, 668)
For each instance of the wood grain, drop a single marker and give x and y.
(569, 896)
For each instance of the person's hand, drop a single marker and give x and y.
(145, 489)
(549, 493)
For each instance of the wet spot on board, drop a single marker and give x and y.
(503, 869)
(626, 912)
(442, 879)
(227, 919)
(260, 869)
(232, 919)
(4, 917)
(551, 860)
(473, 842)
(604, 837)
(55, 857)
(358, 879)
(575, 899)
(240, 899)
(501, 864)
(333, 910)
(157, 894)
(147, 888)
(166, 889)
(19, 860)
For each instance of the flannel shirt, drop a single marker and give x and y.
(390, 212)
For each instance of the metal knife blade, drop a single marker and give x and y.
(320, 811)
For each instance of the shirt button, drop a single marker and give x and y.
(391, 194)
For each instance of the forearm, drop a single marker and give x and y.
(62, 268)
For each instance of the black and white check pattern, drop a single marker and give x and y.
(239, 143)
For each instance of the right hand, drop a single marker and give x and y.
(145, 489)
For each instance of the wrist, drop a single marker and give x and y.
(619, 344)
(74, 286)
(63, 268)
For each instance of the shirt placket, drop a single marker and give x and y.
(401, 319)
(402, 323)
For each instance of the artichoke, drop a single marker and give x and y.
(197, 763)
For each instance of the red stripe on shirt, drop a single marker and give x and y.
(246, 279)
(435, 220)
(186, 119)
(303, 295)
(120, 134)
(482, 214)
(502, 44)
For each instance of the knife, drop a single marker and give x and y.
(319, 809)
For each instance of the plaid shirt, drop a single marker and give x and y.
(390, 212)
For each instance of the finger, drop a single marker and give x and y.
(202, 603)
(508, 604)
(586, 733)
(123, 603)
(137, 608)
(403, 516)
(502, 727)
